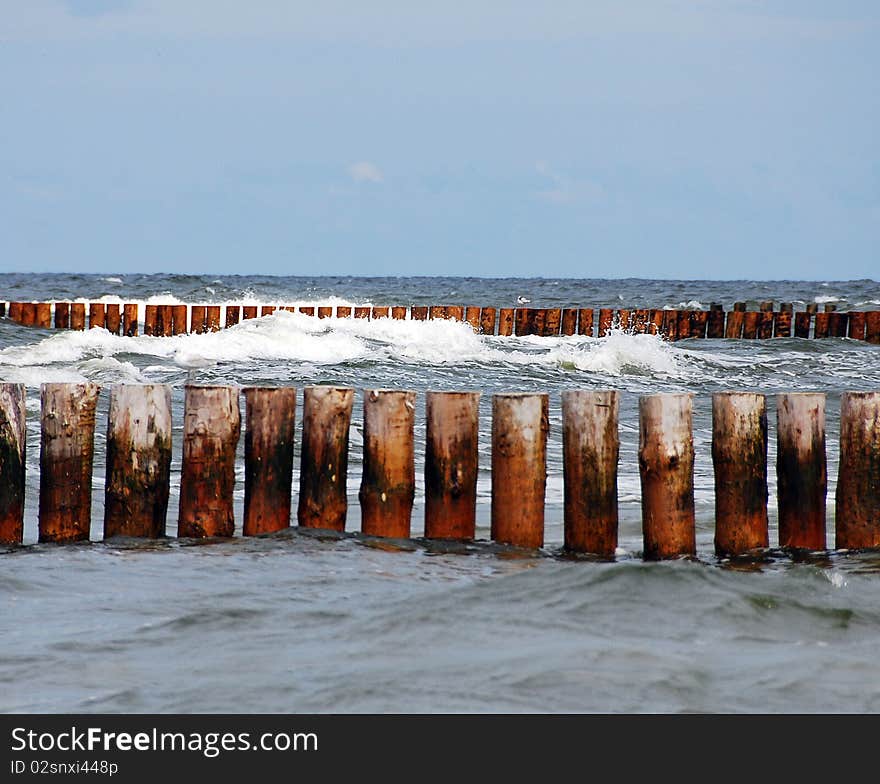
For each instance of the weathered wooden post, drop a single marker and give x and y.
(487, 321)
(211, 428)
(551, 322)
(67, 428)
(178, 320)
(801, 469)
(165, 321)
(751, 324)
(524, 321)
(114, 318)
(715, 325)
(15, 311)
(606, 319)
(782, 323)
(765, 323)
(455, 312)
(323, 498)
(306, 310)
(249, 312)
(28, 314)
(857, 500)
(151, 316)
(872, 326)
(733, 329)
(451, 464)
(212, 318)
(802, 323)
(857, 325)
(198, 316)
(822, 323)
(379, 312)
(265, 310)
(666, 467)
(472, 317)
(270, 418)
(398, 312)
(569, 321)
(138, 471)
(97, 315)
(362, 312)
(43, 315)
(520, 424)
(419, 312)
(233, 315)
(657, 319)
(699, 322)
(640, 321)
(130, 319)
(590, 448)
(388, 479)
(62, 315)
(78, 316)
(739, 456)
(505, 321)
(585, 321)
(837, 324)
(13, 445)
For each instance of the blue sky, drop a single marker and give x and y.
(648, 138)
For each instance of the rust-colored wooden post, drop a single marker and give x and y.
(270, 418)
(487, 321)
(455, 312)
(362, 312)
(15, 312)
(666, 467)
(524, 321)
(249, 312)
(419, 313)
(97, 315)
(621, 320)
(62, 315)
(539, 321)
(138, 460)
(505, 321)
(436, 312)
(657, 319)
(265, 310)
(585, 321)
(388, 478)
(159, 321)
(782, 324)
(451, 464)
(802, 323)
(233, 315)
(198, 316)
(114, 318)
(872, 326)
(78, 316)
(551, 322)
(590, 447)
(569, 321)
(606, 319)
(28, 314)
(735, 323)
(683, 324)
(43, 315)
(150, 318)
(472, 317)
(801, 469)
(67, 437)
(715, 321)
(739, 456)
(520, 424)
(379, 312)
(699, 319)
(323, 498)
(306, 310)
(765, 324)
(857, 325)
(178, 320)
(212, 318)
(837, 324)
(669, 327)
(398, 312)
(343, 311)
(751, 324)
(821, 329)
(13, 445)
(857, 500)
(211, 428)
(129, 319)
(166, 313)
(639, 321)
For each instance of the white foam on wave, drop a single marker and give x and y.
(822, 299)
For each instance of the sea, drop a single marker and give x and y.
(312, 622)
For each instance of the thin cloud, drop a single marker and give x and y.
(364, 171)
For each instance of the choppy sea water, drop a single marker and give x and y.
(304, 622)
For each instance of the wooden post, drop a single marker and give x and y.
(129, 319)
(15, 312)
(657, 319)
(837, 324)
(13, 445)
(138, 471)
(782, 324)
(306, 310)
(167, 313)
(212, 318)
(699, 319)
(67, 434)
(455, 312)
(114, 318)
(524, 321)
(751, 324)
(451, 464)
(857, 500)
(62, 315)
(821, 329)
(419, 313)
(398, 312)
(569, 321)
(211, 428)
(606, 319)
(436, 312)
(362, 313)
(323, 499)
(857, 325)
(270, 417)
(590, 448)
(683, 323)
(539, 321)
(520, 424)
(78, 316)
(639, 322)
(872, 326)
(739, 456)
(97, 315)
(388, 478)
(622, 320)
(666, 467)
(585, 321)
(472, 317)
(551, 322)
(487, 321)
(669, 329)
(265, 310)
(28, 314)
(198, 316)
(765, 324)
(715, 325)
(379, 312)
(802, 324)
(178, 320)
(249, 312)
(343, 311)
(801, 469)
(150, 318)
(233, 315)
(505, 321)
(735, 323)
(43, 315)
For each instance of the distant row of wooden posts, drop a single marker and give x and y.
(168, 320)
(139, 447)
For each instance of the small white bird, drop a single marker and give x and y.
(522, 300)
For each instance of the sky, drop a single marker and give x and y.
(698, 139)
